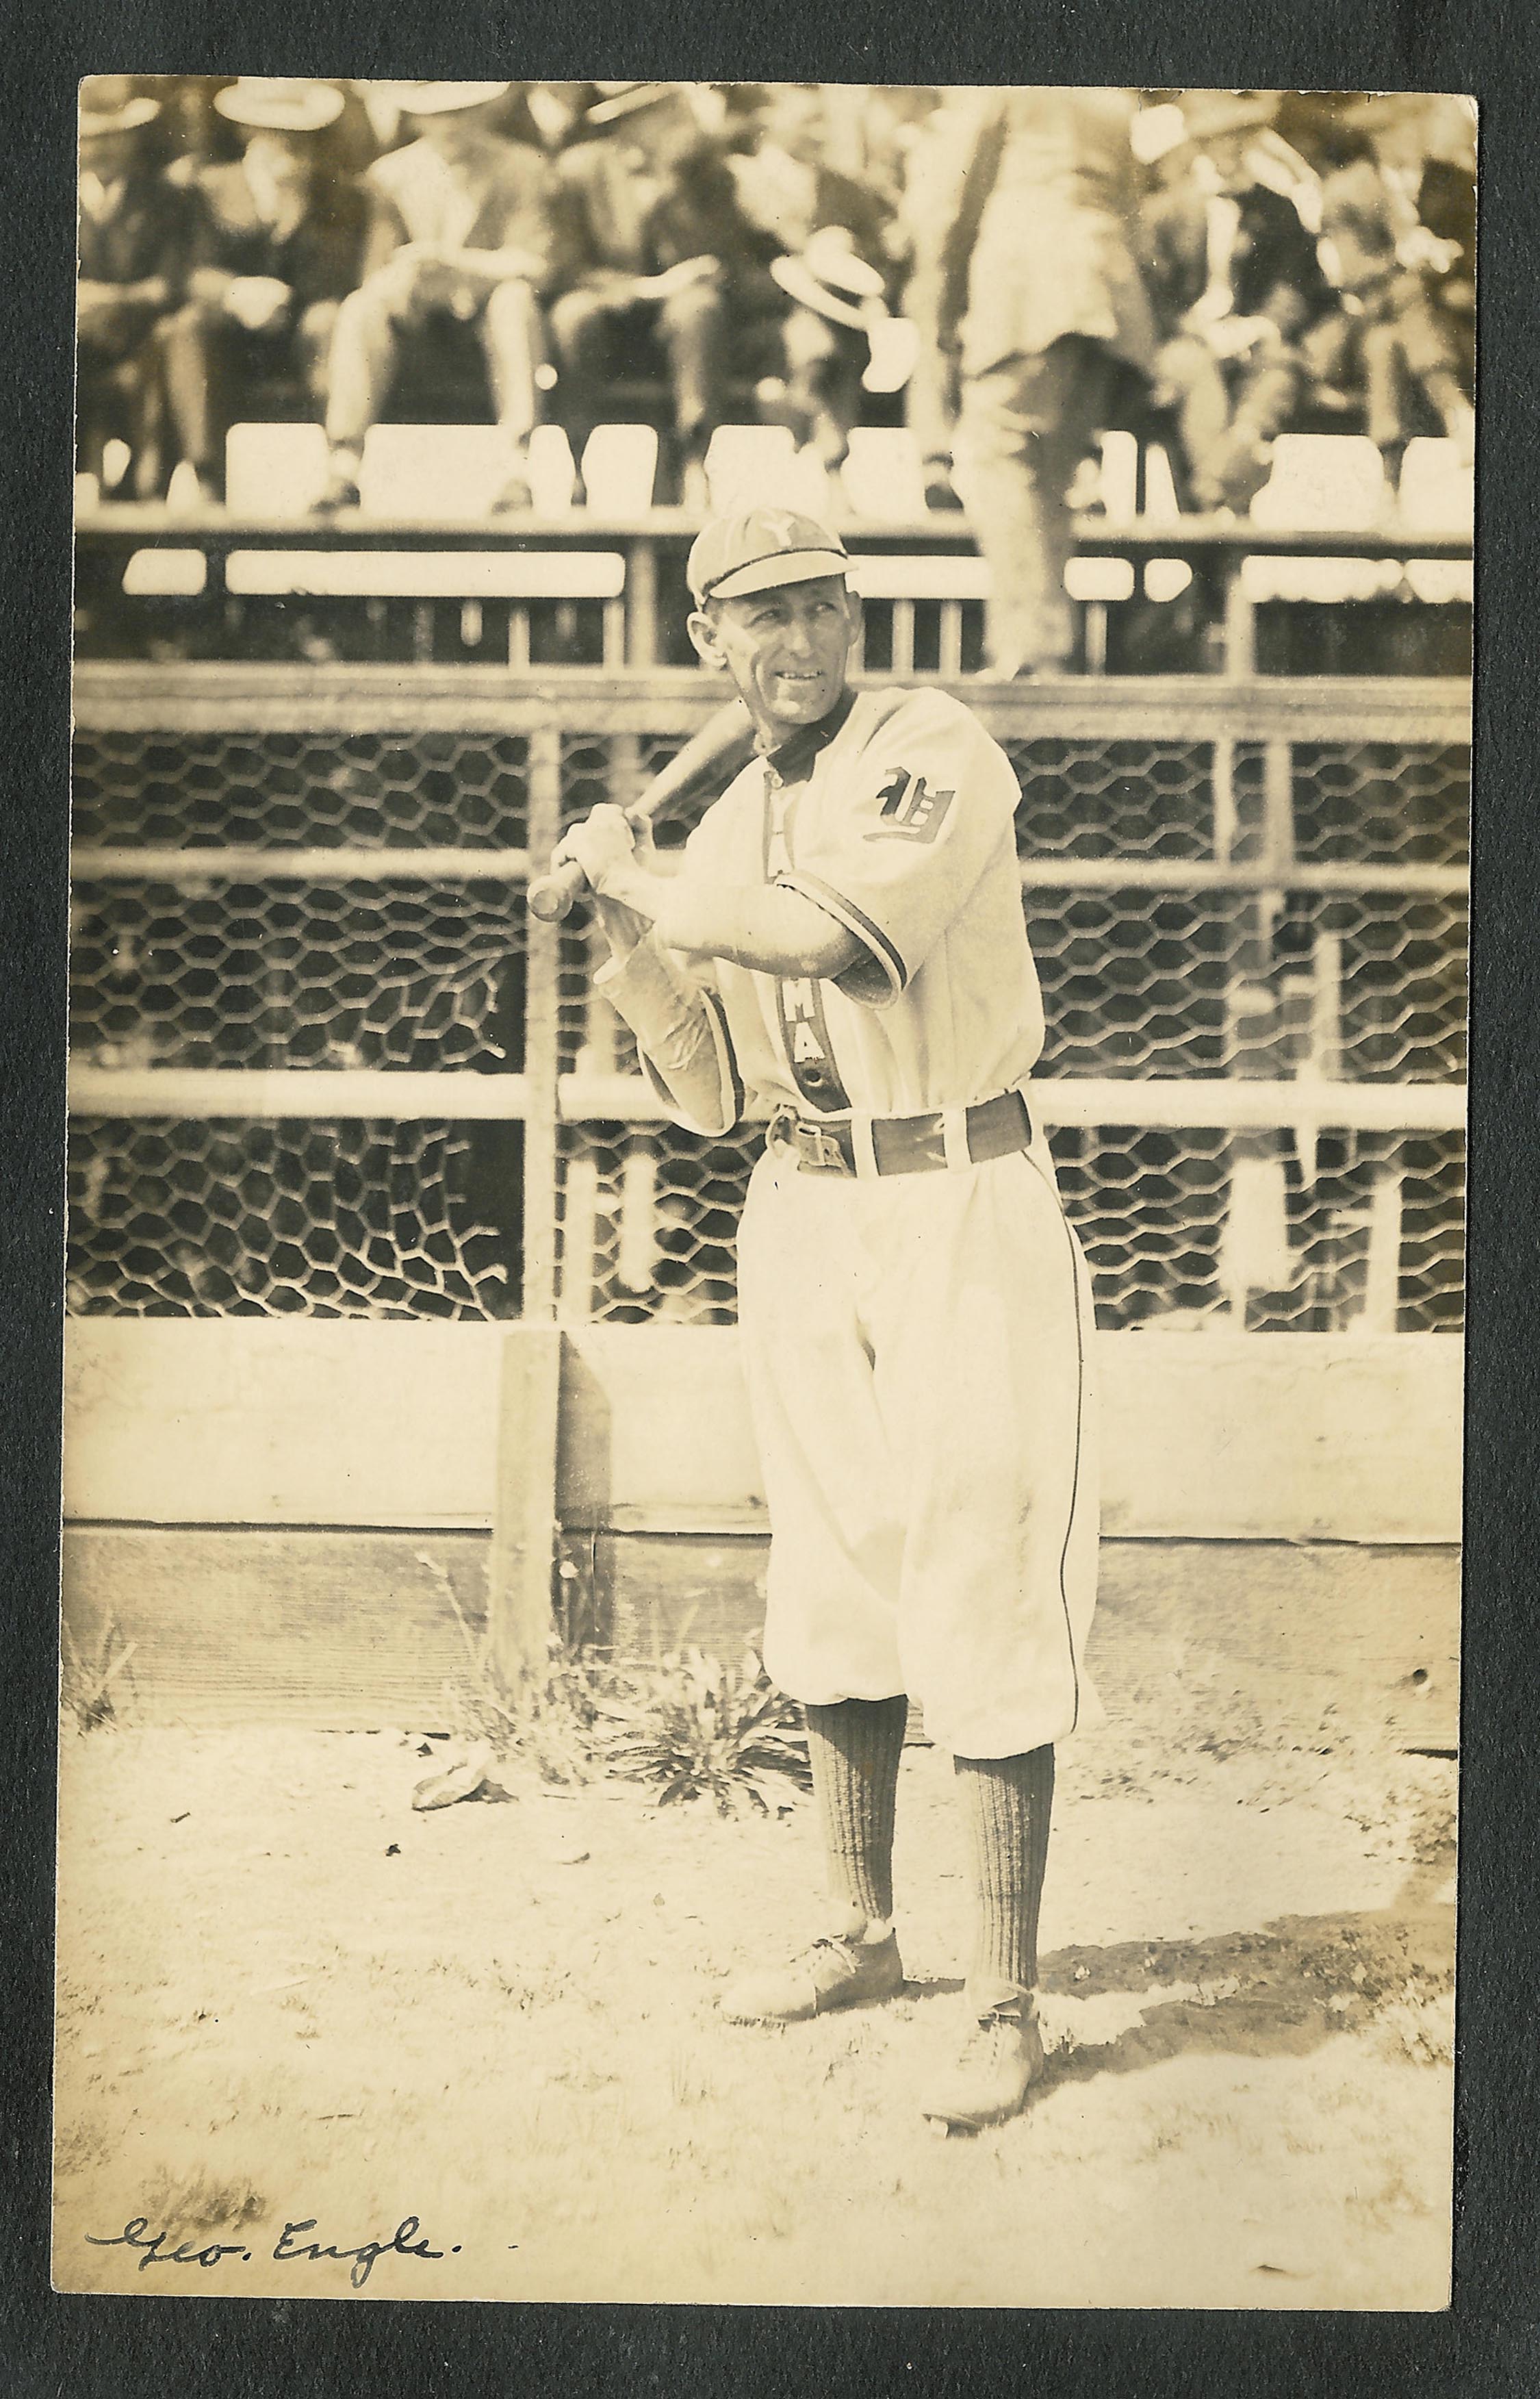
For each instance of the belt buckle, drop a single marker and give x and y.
(820, 1150)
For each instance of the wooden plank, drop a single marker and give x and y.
(279, 1422)
(542, 1039)
(524, 1517)
(1182, 1102)
(1186, 1103)
(396, 1094)
(349, 1631)
(129, 695)
(186, 868)
(99, 861)
(354, 1630)
(113, 523)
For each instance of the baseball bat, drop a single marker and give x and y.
(724, 743)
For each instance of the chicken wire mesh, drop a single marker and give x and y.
(1137, 984)
(359, 1215)
(1272, 1232)
(240, 1217)
(1101, 797)
(298, 974)
(353, 790)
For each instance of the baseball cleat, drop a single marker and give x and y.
(1000, 2061)
(832, 1973)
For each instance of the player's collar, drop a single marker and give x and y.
(791, 762)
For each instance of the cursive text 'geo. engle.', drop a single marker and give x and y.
(407, 2241)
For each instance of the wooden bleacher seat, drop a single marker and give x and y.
(437, 471)
(272, 470)
(1327, 482)
(619, 468)
(523, 578)
(751, 465)
(1438, 494)
(883, 479)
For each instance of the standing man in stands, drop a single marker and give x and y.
(132, 249)
(277, 243)
(658, 263)
(1040, 278)
(461, 241)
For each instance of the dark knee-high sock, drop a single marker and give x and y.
(856, 1747)
(1008, 1801)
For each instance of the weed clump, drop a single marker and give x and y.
(683, 1725)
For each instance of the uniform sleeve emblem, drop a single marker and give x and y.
(909, 809)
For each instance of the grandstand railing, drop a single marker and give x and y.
(618, 584)
(324, 1063)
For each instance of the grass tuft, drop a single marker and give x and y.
(87, 1675)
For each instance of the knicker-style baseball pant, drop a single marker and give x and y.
(918, 1351)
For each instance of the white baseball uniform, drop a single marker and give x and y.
(917, 1345)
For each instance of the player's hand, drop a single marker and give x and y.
(604, 845)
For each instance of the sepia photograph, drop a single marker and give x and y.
(637, 1724)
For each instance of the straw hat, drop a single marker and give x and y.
(629, 99)
(441, 99)
(829, 278)
(107, 105)
(279, 104)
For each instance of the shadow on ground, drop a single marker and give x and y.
(1279, 1991)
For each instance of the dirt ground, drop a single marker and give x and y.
(287, 1999)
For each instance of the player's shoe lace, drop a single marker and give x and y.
(833, 1971)
(1000, 2060)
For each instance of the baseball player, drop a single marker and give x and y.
(845, 941)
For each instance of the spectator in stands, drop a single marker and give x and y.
(1040, 280)
(1238, 288)
(551, 117)
(934, 160)
(658, 264)
(1399, 229)
(835, 231)
(277, 243)
(132, 260)
(460, 244)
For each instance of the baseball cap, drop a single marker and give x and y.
(757, 551)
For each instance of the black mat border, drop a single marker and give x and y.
(1489, 2341)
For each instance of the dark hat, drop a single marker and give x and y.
(279, 104)
(760, 550)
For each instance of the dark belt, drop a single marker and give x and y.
(905, 1144)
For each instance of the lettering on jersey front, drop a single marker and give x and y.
(798, 999)
(809, 1054)
(910, 810)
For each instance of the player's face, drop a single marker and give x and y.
(786, 650)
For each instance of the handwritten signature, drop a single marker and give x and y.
(407, 2241)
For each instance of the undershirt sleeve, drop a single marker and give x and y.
(681, 1035)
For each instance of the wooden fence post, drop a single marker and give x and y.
(524, 1508)
(523, 1526)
